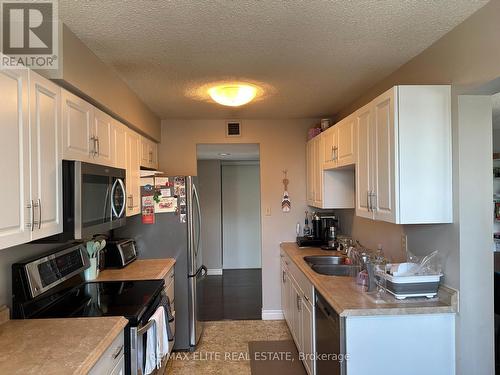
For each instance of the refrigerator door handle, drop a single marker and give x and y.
(195, 195)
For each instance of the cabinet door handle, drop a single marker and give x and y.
(36, 223)
(31, 206)
(39, 213)
(332, 156)
(374, 201)
(298, 303)
(283, 276)
(117, 352)
(98, 146)
(368, 201)
(130, 201)
(307, 298)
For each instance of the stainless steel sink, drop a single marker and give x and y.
(325, 259)
(331, 265)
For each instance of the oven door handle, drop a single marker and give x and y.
(140, 348)
(142, 330)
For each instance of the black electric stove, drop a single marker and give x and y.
(111, 298)
(53, 286)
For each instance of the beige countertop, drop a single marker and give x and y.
(141, 269)
(56, 346)
(350, 299)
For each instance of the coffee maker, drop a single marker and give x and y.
(330, 226)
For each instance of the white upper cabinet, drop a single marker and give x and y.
(46, 174)
(403, 163)
(149, 153)
(102, 134)
(78, 128)
(363, 123)
(30, 138)
(15, 199)
(133, 142)
(330, 147)
(327, 188)
(119, 144)
(344, 153)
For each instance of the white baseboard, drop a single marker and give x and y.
(272, 315)
(214, 271)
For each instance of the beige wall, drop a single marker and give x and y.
(83, 73)
(468, 58)
(282, 146)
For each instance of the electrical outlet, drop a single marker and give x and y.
(268, 211)
(404, 243)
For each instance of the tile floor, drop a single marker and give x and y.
(223, 348)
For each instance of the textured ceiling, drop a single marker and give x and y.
(312, 56)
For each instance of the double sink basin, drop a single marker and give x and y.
(332, 265)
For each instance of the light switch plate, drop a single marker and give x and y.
(268, 211)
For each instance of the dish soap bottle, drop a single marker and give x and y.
(307, 229)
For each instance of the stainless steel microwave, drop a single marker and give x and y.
(94, 199)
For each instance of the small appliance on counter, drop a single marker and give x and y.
(120, 252)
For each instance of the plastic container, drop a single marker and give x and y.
(412, 286)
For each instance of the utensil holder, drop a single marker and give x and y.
(92, 272)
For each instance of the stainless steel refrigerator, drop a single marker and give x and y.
(175, 236)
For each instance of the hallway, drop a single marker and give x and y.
(235, 295)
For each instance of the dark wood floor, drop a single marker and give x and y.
(236, 295)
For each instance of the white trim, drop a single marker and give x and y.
(214, 271)
(272, 315)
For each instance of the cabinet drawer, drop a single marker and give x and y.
(301, 280)
(111, 357)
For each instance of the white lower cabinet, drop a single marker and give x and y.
(112, 362)
(298, 309)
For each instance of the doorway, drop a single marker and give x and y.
(229, 181)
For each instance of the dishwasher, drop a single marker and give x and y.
(330, 339)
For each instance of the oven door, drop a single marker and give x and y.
(99, 199)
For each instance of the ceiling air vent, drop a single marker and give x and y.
(233, 129)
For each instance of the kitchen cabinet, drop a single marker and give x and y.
(133, 143)
(87, 132)
(46, 172)
(30, 137)
(149, 153)
(102, 133)
(119, 144)
(327, 188)
(297, 306)
(338, 144)
(15, 196)
(78, 128)
(112, 361)
(403, 161)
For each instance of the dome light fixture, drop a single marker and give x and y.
(233, 94)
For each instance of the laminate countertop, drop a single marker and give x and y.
(141, 269)
(350, 299)
(56, 346)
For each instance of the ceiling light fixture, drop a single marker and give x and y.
(224, 154)
(233, 94)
